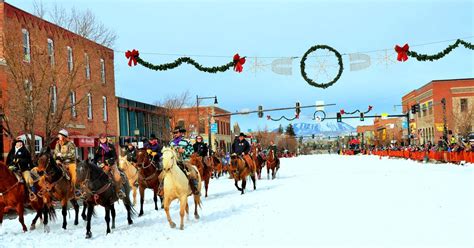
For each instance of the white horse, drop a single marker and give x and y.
(132, 174)
(176, 186)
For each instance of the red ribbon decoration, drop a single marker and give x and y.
(342, 111)
(297, 116)
(402, 52)
(268, 117)
(370, 108)
(238, 67)
(132, 57)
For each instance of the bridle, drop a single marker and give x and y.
(173, 161)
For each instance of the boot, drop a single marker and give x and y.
(119, 192)
(193, 183)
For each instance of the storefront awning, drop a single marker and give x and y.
(82, 140)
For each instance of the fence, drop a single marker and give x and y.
(440, 156)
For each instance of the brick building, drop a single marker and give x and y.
(71, 60)
(366, 135)
(428, 123)
(382, 133)
(188, 118)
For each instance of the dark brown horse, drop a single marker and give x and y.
(257, 159)
(272, 164)
(240, 169)
(148, 178)
(205, 169)
(56, 185)
(13, 197)
(98, 189)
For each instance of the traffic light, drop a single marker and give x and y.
(413, 109)
(417, 108)
(260, 111)
(298, 109)
(312, 135)
(339, 117)
(361, 116)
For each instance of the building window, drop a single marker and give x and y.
(88, 67)
(181, 124)
(430, 108)
(26, 45)
(102, 70)
(463, 104)
(89, 106)
(72, 97)
(70, 63)
(104, 106)
(54, 99)
(51, 51)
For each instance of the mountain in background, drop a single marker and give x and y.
(323, 128)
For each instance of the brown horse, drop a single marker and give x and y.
(176, 186)
(241, 168)
(205, 169)
(257, 159)
(131, 171)
(56, 185)
(272, 164)
(148, 178)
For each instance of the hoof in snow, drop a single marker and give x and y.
(172, 225)
(196, 216)
(88, 235)
(181, 228)
(46, 229)
(32, 227)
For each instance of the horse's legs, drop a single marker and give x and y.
(244, 183)
(76, 211)
(33, 223)
(155, 198)
(46, 211)
(161, 200)
(129, 214)
(206, 185)
(107, 219)
(112, 211)
(83, 215)
(187, 210)
(20, 209)
(268, 172)
(142, 200)
(167, 210)
(134, 190)
(237, 186)
(197, 201)
(2, 206)
(90, 210)
(64, 212)
(183, 201)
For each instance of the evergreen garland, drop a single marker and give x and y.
(446, 51)
(188, 60)
(303, 66)
(282, 117)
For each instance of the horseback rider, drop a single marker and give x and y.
(131, 153)
(105, 156)
(274, 148)
(19, 162)
(153, 149)
(185, 149)
(200, 148)
(65, 155)
(241, 147)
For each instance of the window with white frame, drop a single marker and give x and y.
(26, 45)
(54, 98)
(72, 97)
(51, 51)
(38, 142)
(102, 70)
(88, 67)
(104, 107)
(70, 63)
(89, 106)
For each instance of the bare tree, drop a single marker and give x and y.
(170, 105)
(39, 91)
(82, 22)
(464, 121)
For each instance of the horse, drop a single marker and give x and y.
(257, 159)
(176, 186)
(132, 174)
(240, 169)
(13, 197)
(205, 169)
(272, 164)
(148, 178)
(98, 189)
(56, 185)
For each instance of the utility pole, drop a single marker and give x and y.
(445, 128)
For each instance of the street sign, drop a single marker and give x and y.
(214, 128)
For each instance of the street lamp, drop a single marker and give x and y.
(209, 119)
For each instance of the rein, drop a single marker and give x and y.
(9, 189)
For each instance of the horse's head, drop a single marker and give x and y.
(45, 160)
(122, 162)
(169, 158)
(142, 158)
(82, 170)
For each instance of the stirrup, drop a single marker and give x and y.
(32, 197)
(121, 194)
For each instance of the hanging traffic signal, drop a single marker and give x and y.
(312, 135)
(339, 117)
(413, 109)
(260, 111)
(417, 108)
(361, 116)
(298, 109)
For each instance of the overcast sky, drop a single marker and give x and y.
(283, 29)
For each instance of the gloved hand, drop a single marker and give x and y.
(11, 167)
(148, 151)
(154, 154)
(106, 168)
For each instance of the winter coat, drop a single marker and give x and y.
(103, 156)
(65, 153)
(240, 147)
(183, 143)
(21, 159)
(154, 148)
(200, 148)
(131, 155)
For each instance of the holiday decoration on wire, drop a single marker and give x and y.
(355, 111)
(134, 58)
(317, 117)
(311, 81)
(404, 52)
(283, 117)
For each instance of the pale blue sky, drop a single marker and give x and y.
(282, 28)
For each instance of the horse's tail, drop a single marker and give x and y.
(51, 212)
(197, 201)
(126, 200)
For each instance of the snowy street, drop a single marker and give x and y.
(316, 201)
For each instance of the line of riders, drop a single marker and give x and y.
(20, 161)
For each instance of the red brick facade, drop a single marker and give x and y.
(83, 129)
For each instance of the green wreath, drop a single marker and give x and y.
(303, 66)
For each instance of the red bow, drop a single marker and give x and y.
(297, 116)
(132, 57)
(402, 52)
(268, 117)
(342, 111)
(370, 108)
(238, 63)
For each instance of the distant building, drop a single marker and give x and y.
(382, 133)
(366, 135)
(138, 120)
(428, 123)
